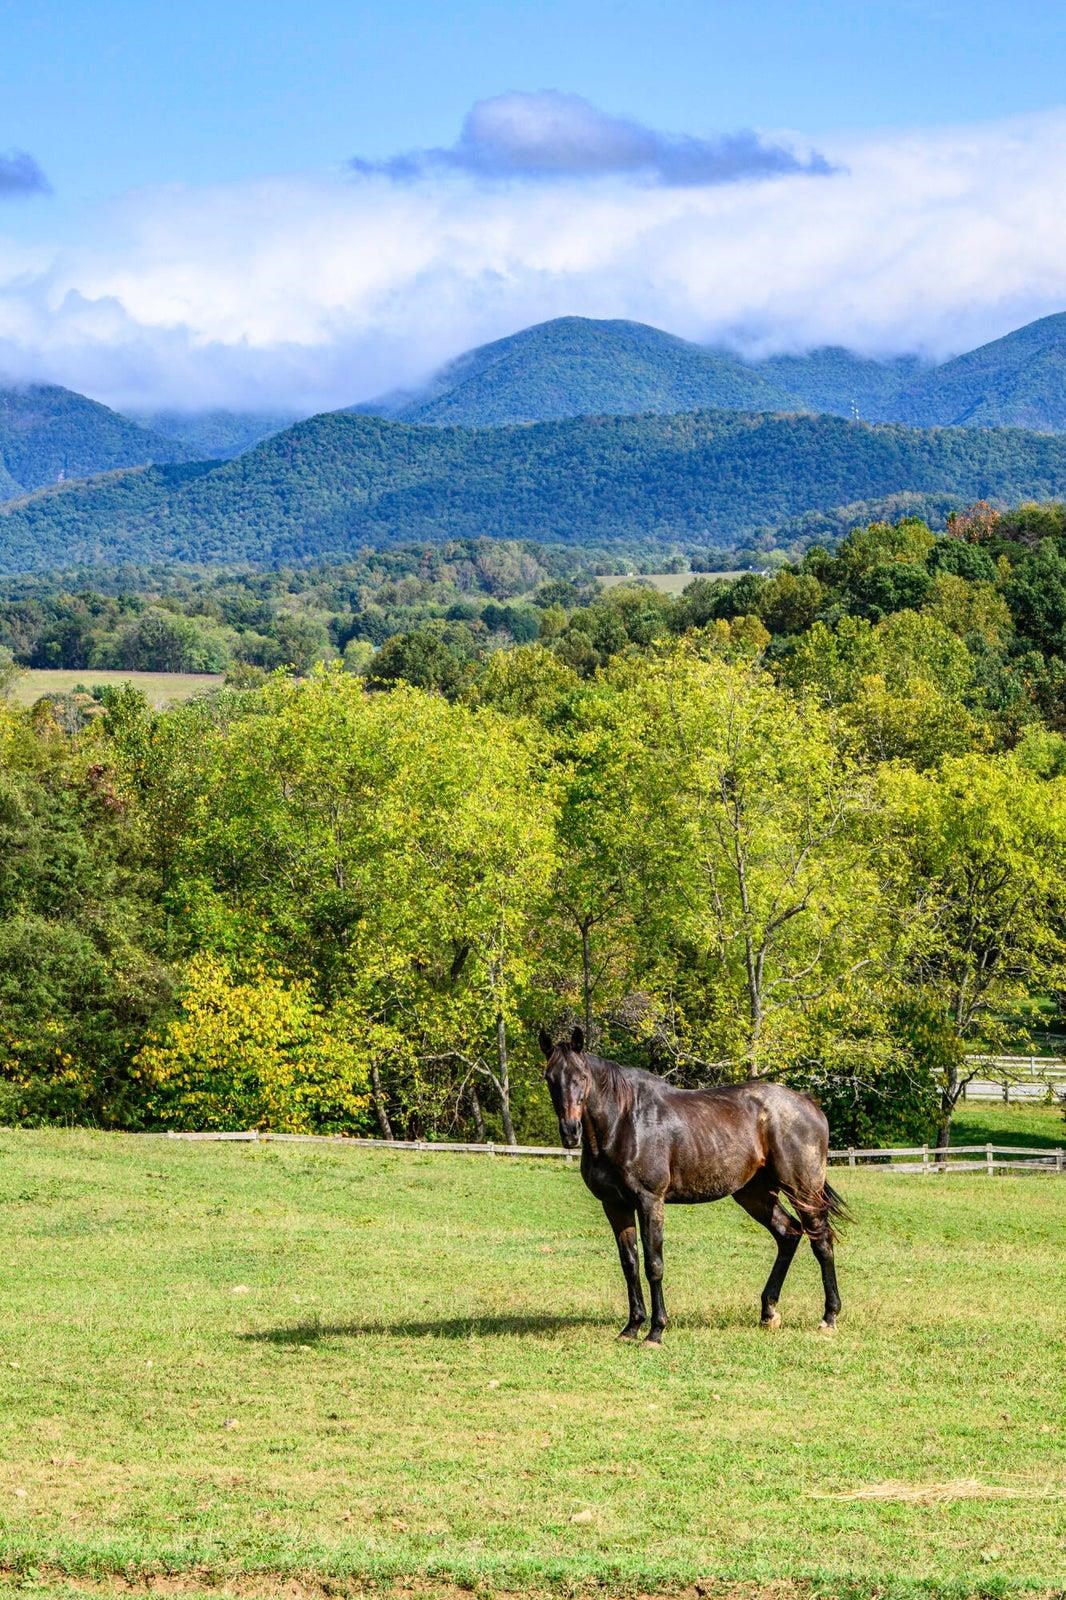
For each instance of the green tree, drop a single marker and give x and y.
(395, 851)
(9, 672)
(754, 901)
(421, 658)
(977, 853)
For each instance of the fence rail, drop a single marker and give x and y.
(1017, 1078)
(994, 1157)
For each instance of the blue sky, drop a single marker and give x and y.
(109, 95)
(187, 147)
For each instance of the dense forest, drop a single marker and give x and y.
(1015, 382)
(809, 823)
(571, 367)
(580, 367)
(338, 481)
(575, 366)
(48, 434)
(215, 435)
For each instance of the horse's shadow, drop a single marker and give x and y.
(496, 1327)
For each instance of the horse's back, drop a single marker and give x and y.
(725, 1136)
(796, 1134)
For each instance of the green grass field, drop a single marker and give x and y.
(1033, 1126)
(249, 1366)
(161, 688)
(671, 583)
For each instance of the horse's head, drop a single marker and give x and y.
(569, 1080)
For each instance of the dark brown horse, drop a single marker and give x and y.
(645, 1144)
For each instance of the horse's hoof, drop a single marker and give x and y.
(827, 1328)
(653, 1340)
(629, 1334)
(771, 1323)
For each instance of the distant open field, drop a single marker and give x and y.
(672, 583)
(160, 687)
(252, 1365)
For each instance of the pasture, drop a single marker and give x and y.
(160, 688)
(671, 583)
(253, 1366)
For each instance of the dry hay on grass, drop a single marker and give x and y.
(939, 1493)
(53, 1584)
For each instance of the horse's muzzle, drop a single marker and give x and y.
(570, 1134)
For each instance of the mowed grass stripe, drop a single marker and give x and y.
(284, 1359)
(160, 688)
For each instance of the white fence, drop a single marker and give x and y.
(1017, 1078)
(917, 1158)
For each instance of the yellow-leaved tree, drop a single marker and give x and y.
(257, 1053)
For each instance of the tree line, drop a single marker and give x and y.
(809, 825)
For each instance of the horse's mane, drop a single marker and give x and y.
(618, 1081)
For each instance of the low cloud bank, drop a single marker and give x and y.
(314, 291)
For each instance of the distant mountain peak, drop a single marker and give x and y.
(49, 434)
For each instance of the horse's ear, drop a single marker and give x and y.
(577, 1040)
(545, 1042)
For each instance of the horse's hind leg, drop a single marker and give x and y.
(821, 1236)
(760, 1201)
(623, 1220)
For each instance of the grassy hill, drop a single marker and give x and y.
(48, 434)
(342, 480)
(1018, 381)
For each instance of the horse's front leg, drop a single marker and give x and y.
(650, 1208)
(623, 1220)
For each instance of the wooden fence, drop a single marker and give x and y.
(957, 1158)
(918, 1158)
(1017, 1078)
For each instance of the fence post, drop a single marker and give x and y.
(1058, 1160)
(1006, 1091)
(925, 1158)
(988, 1159)
(851, 1156)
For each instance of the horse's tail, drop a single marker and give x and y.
(824, 1204)
(837, 1208)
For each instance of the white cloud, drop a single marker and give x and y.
(551, 135)
(316, 291)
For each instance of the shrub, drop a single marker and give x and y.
(257, 1054)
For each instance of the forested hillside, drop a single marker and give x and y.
(1017, 382)
(843, 383)
(344, 898)
(577, 366)
(216, 435)
(48, 434)
(338, 481)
